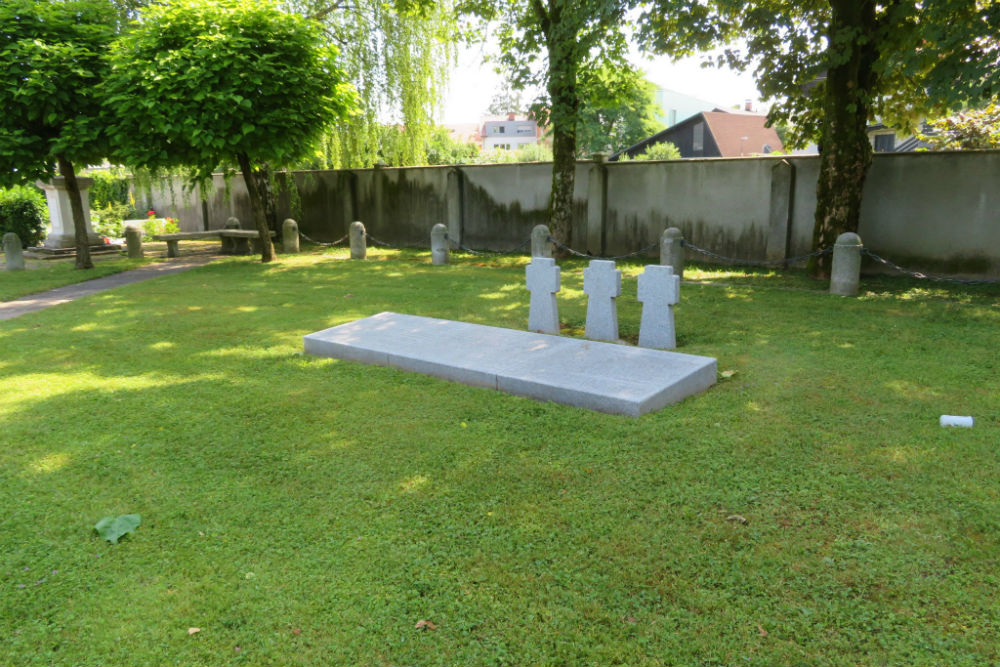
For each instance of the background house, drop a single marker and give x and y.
(676, 107)
(715, 134)
(509, 133)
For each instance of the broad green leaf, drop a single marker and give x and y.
(112, 528)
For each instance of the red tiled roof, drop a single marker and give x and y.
(729, 128)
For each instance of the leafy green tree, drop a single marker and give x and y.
(507, 100)
(975, 128)
(663, 150)
(23, 211)
(549, 43)
(52, 55)
(200, 84)
(833, 66)
(443, 149)
(617, 109)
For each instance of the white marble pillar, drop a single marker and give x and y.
(63, 234)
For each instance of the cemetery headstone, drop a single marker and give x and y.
(439, 244)
(13, 252)
(672, 250)
(133, 241)
(602, 283)
(540, 244)
(845, 274)
(543, 278)
(357, 236)
(290, 236)
(659, 290)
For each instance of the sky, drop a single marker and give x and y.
(473, 84)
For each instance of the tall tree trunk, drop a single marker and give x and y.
(845, 151)
(565, 104)
(263, 177)
(257, 206)
(83, 260)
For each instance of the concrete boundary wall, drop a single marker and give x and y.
(935, 211)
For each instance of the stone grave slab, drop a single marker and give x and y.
(617, 379)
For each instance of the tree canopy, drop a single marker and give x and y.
(617, 109)
(203, 84)
(52, 56)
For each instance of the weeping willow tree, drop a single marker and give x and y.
(398, 55)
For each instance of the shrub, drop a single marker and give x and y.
(661, 151)
(109, 220)
(109, 188)
(23, 211)
(154, 226)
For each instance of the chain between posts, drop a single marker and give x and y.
(488, 253)
(926, 276)
(747, 262)
(577, 253)
(337, 242)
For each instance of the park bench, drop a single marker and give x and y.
(234, 241)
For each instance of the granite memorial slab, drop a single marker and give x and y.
(607, 377)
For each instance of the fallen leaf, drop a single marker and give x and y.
(631, 619)
(425, 625)
(296, 631)
(727, 374)
(761, 630)
(737, 518)
(111, 528)
(193, 631)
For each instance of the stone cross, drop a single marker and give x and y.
(659, 291)
(543, 278)
(356, 234)
(289, 236)
(439, 244)
(602, 283)
(13, 252)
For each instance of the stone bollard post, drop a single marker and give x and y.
(133, 241)
(439, 244)
(540, 244)
(359, 247)
(290, 236)
(845, 275)
(672, 250)
(13, 252)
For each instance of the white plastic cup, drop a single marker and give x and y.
(956, 420)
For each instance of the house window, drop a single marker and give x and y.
(885, 143)
(500, 129)
(698, 140)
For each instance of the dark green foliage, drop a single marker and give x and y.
(23, 211)
(52, 55)
(617, 109)
(109, 188)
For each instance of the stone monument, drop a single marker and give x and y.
(543, 277)
(357, 235)
(63, 233)
(439, 244)
(672, 250)
(659, 291)
(133, 241)
(289, 236)
(602, 283)
(13, 252)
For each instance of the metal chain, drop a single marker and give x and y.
(337, 242)
(383, 244)
(488, 253)
(748, 262)
(926, 276)
(641, 251)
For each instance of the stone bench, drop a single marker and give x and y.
(234, 241)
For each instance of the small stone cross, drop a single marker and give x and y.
(602, 283)
(659, 290)
(543, 277)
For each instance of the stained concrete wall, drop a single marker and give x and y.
(937, 211)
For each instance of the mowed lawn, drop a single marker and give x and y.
(808, 509)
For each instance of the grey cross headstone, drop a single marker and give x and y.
(602, 283)
(659, 290)
(543, 277)
(13, 251)
(439, 244)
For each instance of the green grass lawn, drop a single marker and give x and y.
(310, 511)
(42, 275)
